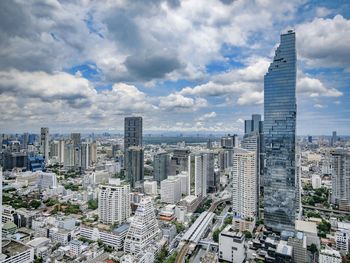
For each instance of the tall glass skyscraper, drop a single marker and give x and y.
(279, 130)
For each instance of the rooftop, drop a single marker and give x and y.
(306, 226)
(11, 248)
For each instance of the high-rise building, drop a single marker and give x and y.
(69, 154)
(44, 143)
(85, 161)
(170, 190)
(114, 202)
(25, 140)
(244, 190)
(134, 165)
(143, 229)
(229, 141)
(334, 138)
(309, 139)
(179, 161)
(279, 131)
(76, 139)
(161, 166)
(92, 153)
(132, 132)
(341, 178)
(201, 167)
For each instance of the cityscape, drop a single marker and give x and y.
(175, 131)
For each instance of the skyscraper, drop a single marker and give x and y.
(202, 173)
(244, 191)
(253, 141)
(114, 202)
(161, 166)
(44, 143)
(341, 178)
(279, 131)
(132, 132)
(134, 165)
(334, 138)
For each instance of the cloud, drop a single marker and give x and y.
(74, 90)
(178, 102)
(148, 67)
(207, 116)
(323, 42)
(313, 87)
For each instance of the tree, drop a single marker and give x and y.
(35, 203)
(323, 228)
(162, 255)
(216, 235)
(247, 234)
(179, 227)
(93, 204)
(228, 220)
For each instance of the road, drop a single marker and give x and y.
(180, 258)
(328, 210)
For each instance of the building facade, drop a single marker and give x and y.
(143, 229)
(114, 203)
(244, 181)
(341, 178)
(279, 131)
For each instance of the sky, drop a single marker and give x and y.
(184, 66)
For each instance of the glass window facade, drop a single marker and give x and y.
(279, 132)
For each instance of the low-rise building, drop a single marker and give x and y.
(114, 238)
(329, 255)
(231, 246)
(16, 252)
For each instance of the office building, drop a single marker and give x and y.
(143, 229)
(35, 163)
(299, 244)
(76, 138)
(132, 132)
(44, 143)
(329, 255)
(316, 181)
(334, 138)
(279, 132)
(12, 160)
(15, 251)
(150, 187)
(201, 167)
(69, 155)
(309, 139)
(113, 238)
(225, 159)
(75, 247)
(92, 153)
(114, 202)
(170, 190)
(179, 161)
(244, 190)
(183, 176)
(134, 166)
(231, 246)
(46, 180)
(229, 141)
(341, 178)
(342, 240)
(161, 166)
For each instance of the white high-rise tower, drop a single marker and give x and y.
(114, 202)
(244, 190)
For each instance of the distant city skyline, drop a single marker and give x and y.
(84, 66)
